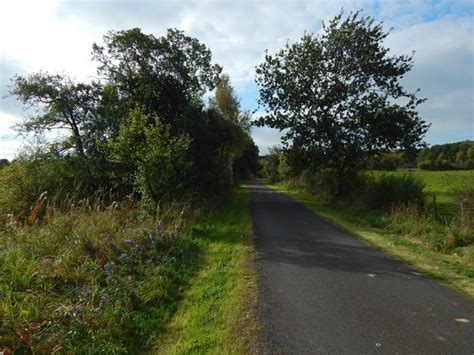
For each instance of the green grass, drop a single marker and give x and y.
(217, 315)
(455, 268)
(88, 281)
(110, 281)
(442, 184)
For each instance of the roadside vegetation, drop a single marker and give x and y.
(218, 311)
(92, 281)
(126, 233)
(104, 228)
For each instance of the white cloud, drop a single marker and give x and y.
(42, 41)
(9, 142)
(265, 138)
(444, 71)
(57, 36)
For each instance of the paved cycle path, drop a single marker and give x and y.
(324, 291)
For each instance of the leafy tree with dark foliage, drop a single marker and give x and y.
(163, 75)
(62, 104)
(338, 95)
(164, 78)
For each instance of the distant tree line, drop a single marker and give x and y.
(447, 156)
(451, 156)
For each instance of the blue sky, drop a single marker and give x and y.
(57, 36)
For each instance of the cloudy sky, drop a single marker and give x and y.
(57, 36)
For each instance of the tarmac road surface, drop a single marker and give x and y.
(324, 291)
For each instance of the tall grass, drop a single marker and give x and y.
(399, 202)
(94, 278)
(387, 191)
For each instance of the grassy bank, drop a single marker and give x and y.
(217, 314)
(454, 268)
(110, 281)
(89, 281)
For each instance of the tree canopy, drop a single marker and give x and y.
(163, 75)
(143, 128)
(338, 95)
(61, 102)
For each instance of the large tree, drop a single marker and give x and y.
(236, 128)
(163, 75)
(60, 102)
(338, 95)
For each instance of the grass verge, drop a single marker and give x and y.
(110, 281)
(453, 269)
(89, 281)
(218, 312)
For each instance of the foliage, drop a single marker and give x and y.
(388, 161)
(163, 75)
(84, 268)
(25, 180)
(441, 188)
(97, 279)
(271, 165)
(63, 104)
(190, 149)
(159, 160)
(16, 192)
(91, 281)
(458, 155)
(338, 95)
(465, 204)
(451, 156)
(389, 191)
(247, 165)
(227, 103)
(3, 163)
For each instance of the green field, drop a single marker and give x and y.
(442, 185)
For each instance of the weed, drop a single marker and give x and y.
(91, 280)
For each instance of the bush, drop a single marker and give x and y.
(426, 165)
(387, 161)
(328, 184)
(387, 191)
(158, 160)
(25, 180)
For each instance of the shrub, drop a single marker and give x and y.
(426, 165)
(388, 191)
(324, 182)
(25, 180)
(158, 160)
